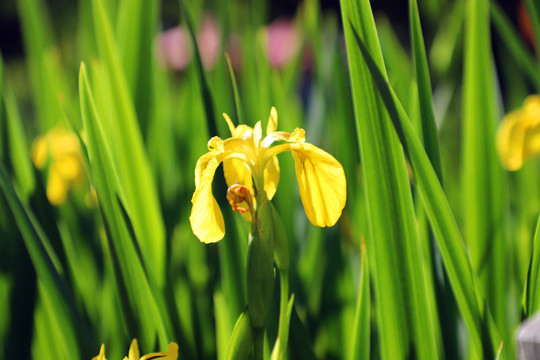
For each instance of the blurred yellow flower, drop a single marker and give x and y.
(251, 161)
(170, 354)
(518, 137)
(61, 150)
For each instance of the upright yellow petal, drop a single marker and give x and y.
(133, 350)
(322, 184)
(171, 354)
(271, 177)
(101, 355)
(236, 172)
(229, 123)
(206, 218)
(272, 121)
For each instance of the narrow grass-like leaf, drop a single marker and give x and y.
(406, 321)
(133, 166)
(531, 295)
(462, 279)
(60, 301)
(239, 112)
(136, 29)
(484, 198)
(533, 10)
(361, 337)
(430, 135)
(514, 43)
(18, 148)
(142, 302)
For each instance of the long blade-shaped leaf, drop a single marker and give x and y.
(483, 190)
(513, 41)
(136, 28)
(429, 127)
(405, 319)
(140, 298)
(531, 296)
(463, 280)
(61, 301)
(133, 166)
(360, 347)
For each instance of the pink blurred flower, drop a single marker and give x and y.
(282, 42)
(208, 41)
(174, 48)
(234, 49)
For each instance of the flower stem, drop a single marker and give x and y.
(258, 343)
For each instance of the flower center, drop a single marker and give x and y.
(240, 198)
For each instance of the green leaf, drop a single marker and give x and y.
(360, 347)
(484, 198)
(514, 43)
(59, 300)
(430, 135)
(18, 148)
(531, 295)
(533, 10)
(241, 340)
(238, 105)
(406, 322)
(139, 296)
(136, 29)
(457, 263)
(134, 172)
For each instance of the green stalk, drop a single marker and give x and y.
(258, 344)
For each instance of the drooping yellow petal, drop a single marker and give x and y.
(101, 355)
(322, 183)
(171, 354)
(272, 121)
(206, 218)
(57, 187)
(271, 177)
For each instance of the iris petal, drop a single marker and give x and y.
(322, 184)
(236, 172)
(134, 350)
(272, 121)
(271, 177)
(206, 218)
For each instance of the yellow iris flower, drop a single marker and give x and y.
(518, 137)
(251, 160)
(61, 149)
(170, 354)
